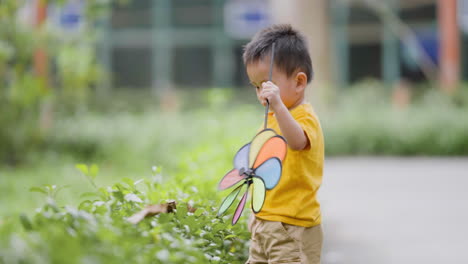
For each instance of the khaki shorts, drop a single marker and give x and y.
(276, 242)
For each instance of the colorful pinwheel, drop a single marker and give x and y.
(257, 164)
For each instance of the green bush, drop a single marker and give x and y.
(97, 229)
(196, 148)
(364, 122)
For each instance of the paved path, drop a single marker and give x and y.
(395, 210)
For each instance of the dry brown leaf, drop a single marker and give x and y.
(154, 209)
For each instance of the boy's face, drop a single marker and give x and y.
(258, 73)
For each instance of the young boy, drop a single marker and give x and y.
(287, 229)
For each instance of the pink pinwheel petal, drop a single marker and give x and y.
(240, 207)
(230, 179)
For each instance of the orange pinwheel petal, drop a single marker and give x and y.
(274, 147)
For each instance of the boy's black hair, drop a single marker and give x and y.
(291, 51)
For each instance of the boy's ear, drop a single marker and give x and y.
(301, 81)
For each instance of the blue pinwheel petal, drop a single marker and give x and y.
(270, 172)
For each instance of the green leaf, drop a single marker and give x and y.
(218, 227)
(93, 171)
(83, 204)
(83, 168)
(230, 236)
(37, 189)
(25, 222)
(165, 218)
(104, 193)
(198, 212)
(182, 210)
(128, 181)
(89, 194)
(62, 187)
(119, 195)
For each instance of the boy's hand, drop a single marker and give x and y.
(270, 92)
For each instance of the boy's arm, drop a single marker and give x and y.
(292, 131)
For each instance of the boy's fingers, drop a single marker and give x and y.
(269, 88)
(267, 84)
(267, 91)
(267, 94)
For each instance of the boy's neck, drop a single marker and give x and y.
(298, 103)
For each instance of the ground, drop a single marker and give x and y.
(395, 210)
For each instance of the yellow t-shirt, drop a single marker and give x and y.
(294, 200)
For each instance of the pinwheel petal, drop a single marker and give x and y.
(241, 160)
(270, 172)
(229, 200)
(258, 194)
(240, 207)
(230, 179)
(274, 147)
(257, 144)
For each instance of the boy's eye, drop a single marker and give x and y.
(256, 86)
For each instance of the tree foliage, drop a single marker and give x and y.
(28, 99)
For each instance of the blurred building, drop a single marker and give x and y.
(164, 43)
(178, 43)
(367, 40)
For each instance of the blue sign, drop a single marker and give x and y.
(242, 19)
(69, 17)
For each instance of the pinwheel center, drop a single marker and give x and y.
(247, 172)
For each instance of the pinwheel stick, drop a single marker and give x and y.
(272, 61)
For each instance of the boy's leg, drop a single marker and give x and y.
(312, 239)
(256, 253)
(285, 243)
(281, 242)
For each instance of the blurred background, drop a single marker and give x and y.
(157, 88)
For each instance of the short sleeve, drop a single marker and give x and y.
(310, 125)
